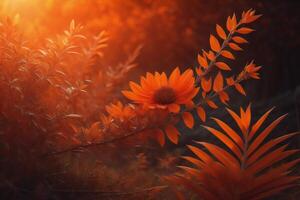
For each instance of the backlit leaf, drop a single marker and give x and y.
(221, 32)
(227, 54)
(172, 133)
(201, 113)
(214, 43)
(222, 66)
(202, 61)
(218, 82)
(245, 30)
(240, 89)
(206, 84)
(239, 40)
(188, 119)
(235, 46)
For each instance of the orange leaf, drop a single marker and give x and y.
(222, 66)
(229, 24)
(221, 32)
(235, 46)
(245, 30)
(172, 133)
(195, 161)
(200, 154)
(240, 89)
(239, 40)
(261, 137)
(224, 97)
(218, 82)
(230, 81)
(160, 136)
(211, 104)
(226, 140)
(251, 18)
(263, 149)
(214, 43)
(259, 122)
(237, 119)
(202, 61)
(210, 55)
(227, 54)
(201, 113)
(199, 71)
(206, 84)
(188, 119)
(234, 21)
(230, 132)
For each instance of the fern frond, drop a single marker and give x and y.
(247, 168)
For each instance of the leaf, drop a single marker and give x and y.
(221, 32)
(200, 154)
(259, 122)
(263, 149)
(229, 24)
(201, 113)
(206, 84)
(160, 137)
(226, 140)
(224, 157)
(245, 30)
(227, 54)
(172, 133)
(237, 119)
(222, 66)
(210, 55)
(230, 132)
(202, 61)
(230, 81)
(224, 97)
(264, 134)
(251, 18)
(271, 158)
(188, 119)
(211, 104)
(239, 40)
(195, 161)
(214, 43)
(240, 89)
(218, 82)
(235, 46)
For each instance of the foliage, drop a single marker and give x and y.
(61, 104)
(245, 168)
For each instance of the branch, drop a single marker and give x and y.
(212, 62)
(130, 134)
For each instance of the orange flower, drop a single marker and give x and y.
(119, 111)
(157, 91)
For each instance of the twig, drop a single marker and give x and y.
(135, 132)
(212, 62)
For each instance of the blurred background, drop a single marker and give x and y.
(173, 32)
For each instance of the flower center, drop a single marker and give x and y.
(164, 96)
